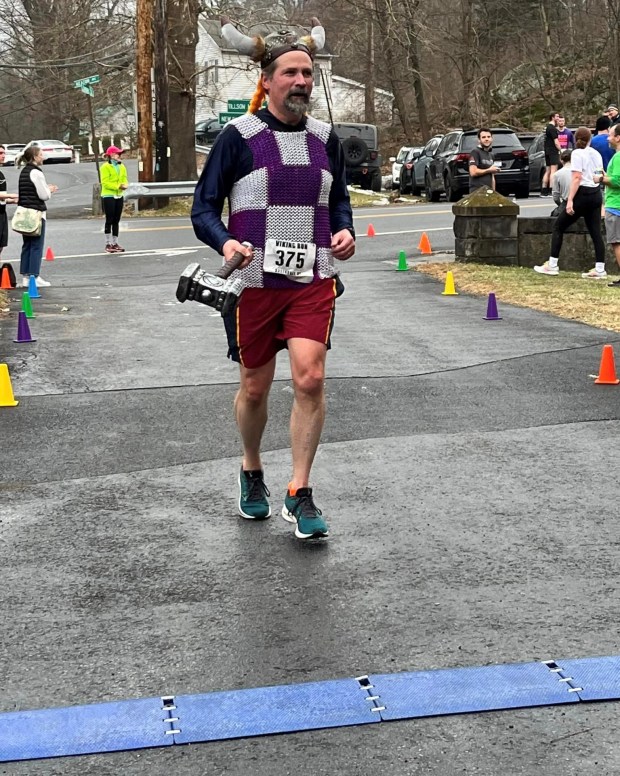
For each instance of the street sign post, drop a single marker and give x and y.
(238, 106)
(92, 79)
(226, 117)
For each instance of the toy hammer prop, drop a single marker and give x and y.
(215, 290)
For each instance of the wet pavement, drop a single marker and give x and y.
(468, 470)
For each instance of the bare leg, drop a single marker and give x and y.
(616, 247)
(549, 173)
(308, 413)
(251, 410)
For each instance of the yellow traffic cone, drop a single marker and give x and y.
(449, 290)
(6, 391)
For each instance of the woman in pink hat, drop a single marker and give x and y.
(113, 175)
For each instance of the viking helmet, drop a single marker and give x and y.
(266, 50)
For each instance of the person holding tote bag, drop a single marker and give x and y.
(113, 176)
(33, 192)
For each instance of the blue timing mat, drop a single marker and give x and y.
(102, 727)
(597, 678)
(458, 690)
(266, 710)
(152, 722)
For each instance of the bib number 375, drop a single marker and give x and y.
(290, 258)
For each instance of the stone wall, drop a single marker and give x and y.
(534, 239)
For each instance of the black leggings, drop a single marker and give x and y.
(113, 209)
(587, 205)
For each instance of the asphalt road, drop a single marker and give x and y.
(467, 468)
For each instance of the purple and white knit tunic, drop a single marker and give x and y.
(285, 197)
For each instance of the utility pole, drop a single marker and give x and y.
(144, 64)
(161, 95)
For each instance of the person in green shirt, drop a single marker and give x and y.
(113, 176)
(611, 179)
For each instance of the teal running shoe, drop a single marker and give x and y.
(308, 518)
(253, 492)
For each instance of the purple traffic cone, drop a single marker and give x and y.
(23, 330)
(32, 288)
(492, 314)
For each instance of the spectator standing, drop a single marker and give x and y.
(552, 153)
(482, 168)
(612, 113)
(33, 192)
(600, 142)
(584, 201)
(561, 183)
(611, 179)
(113, 176)
(565, 136)
(4, 200)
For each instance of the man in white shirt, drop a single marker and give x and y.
(561, 183)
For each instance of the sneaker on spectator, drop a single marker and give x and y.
(110, 248)
(299, 508)
(118, 248)
(545, 269)
(614, 284)
(41, 283)
(26, 281)
(253, 492)
(594, 274)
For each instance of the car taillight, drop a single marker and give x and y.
(47, 149)
(520, 154)
(461, 157)
(373, 154)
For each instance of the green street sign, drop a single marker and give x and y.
(226, 117)
(238, 106)
(88, 90)
(92, 79)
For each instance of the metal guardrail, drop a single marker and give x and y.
(160, 189)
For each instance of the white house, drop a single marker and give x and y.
(225, 75)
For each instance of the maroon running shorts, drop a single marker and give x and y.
(266, 318)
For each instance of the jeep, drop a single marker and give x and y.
(361, 153)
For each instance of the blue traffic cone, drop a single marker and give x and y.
(23, 330)
(492, 314)
(32, 288)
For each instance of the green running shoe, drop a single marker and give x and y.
(253, 492)
(308, 518)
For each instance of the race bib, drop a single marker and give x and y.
(290, 258)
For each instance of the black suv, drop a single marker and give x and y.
(360, 145)
(207, 130)
(448, 171)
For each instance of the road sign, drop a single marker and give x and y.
(92, 79)
(226, 117)
(238, 106)
(88, 90)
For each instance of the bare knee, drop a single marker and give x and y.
(310, 381)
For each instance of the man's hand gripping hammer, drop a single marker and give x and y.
(215, 290)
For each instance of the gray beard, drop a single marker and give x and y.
(297, 107)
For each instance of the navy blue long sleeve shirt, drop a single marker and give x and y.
(231, 159)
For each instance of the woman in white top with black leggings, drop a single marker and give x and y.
(584, 201)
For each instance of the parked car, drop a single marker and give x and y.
(54, 150)
(207, 130)
(421, 163)
(536, 154)
(406, 173)
(397, 163)
(360, 145)
(526, 139)
(11, 152)
(448, 171)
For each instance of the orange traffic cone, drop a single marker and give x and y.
(424, 246)
(6, 279)
(371, 231)
(49, 255)
(607, 369)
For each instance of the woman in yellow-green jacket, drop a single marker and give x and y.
(113, 175)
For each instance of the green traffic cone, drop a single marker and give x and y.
(402, 262)
(27, 305)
